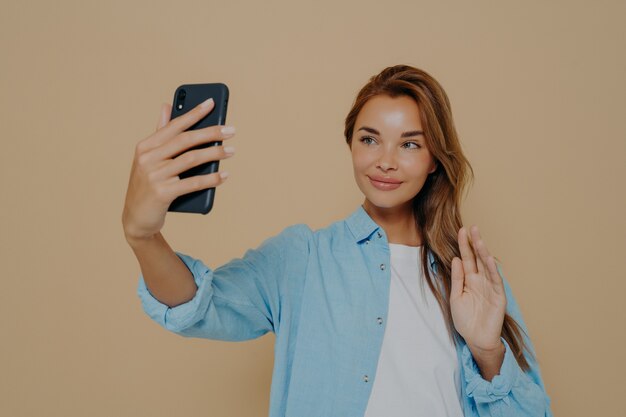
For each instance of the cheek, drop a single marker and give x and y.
(362, 160)
(417, 166)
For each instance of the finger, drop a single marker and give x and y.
(195, 183)
(190, 139)
(483, 253)
(480, 266)
(193, 158)
(164, 116)
(180, 124)
(498, 283)
(467, 254)
(476, 243)
(458, 278)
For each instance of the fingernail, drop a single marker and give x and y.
(229, 150)
(224, 175)
(206, 103)
(228, 130)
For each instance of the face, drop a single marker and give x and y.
(388, 144)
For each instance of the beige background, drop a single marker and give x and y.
(537, 90)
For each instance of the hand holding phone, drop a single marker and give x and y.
(159, 159)
(186, 97)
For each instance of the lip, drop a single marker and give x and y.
(385, 180)
(384, 186)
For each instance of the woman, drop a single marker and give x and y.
(357, 331)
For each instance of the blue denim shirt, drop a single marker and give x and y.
(325, 295)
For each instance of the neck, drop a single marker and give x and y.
(397, 222)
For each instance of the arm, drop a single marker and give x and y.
(240, 300)
(512, 392)
(489, 362)
(165, 274)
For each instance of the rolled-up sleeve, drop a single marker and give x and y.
(512, 392)
(238, 301)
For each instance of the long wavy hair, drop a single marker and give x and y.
(436, 206)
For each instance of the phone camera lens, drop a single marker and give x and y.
(180, 99)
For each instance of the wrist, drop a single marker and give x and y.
(489, 361)
(136, 240)
(496, 350)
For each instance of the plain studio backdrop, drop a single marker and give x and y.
(537, 91)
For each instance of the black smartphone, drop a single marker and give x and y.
(187, 97)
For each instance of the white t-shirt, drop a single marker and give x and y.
(418, 370)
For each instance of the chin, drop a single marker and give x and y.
(387, 201)
(387, 204)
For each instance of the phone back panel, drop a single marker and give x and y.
(200, 201)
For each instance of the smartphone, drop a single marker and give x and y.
(186, 97)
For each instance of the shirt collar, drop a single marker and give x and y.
(362, 226)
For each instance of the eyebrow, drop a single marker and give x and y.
(404, 135)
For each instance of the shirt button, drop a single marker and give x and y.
(379, 235)
(367, 242)
(382, 266)
(366, 378)
(379, 320)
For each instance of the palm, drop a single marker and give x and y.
(477, 300)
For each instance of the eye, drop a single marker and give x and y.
(365, 139)
(417, 145)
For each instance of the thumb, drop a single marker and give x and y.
(164, 116)
(457, 276)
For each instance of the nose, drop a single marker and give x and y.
(387, 160)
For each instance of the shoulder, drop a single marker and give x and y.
(335, 235)
(293, 238)
(301, 230)
(290, 234)
(300, 236)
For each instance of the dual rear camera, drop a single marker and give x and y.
(180, 99)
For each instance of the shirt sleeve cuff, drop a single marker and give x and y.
(184, 315)
(484, 391)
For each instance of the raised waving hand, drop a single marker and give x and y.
(477, 299)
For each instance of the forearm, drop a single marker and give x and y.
(489, 362)
(166, 276)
